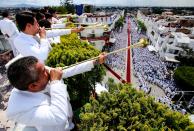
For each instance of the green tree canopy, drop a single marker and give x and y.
(119, 23)
(88, 9)
(70, 51)
(186, 58)
(60, 9)
(124, 108)
(184, 76)
(141, 25)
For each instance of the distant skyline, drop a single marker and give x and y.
(188, 3)
(5, 3)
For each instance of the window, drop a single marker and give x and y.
(152, 33)
(164, 49)
(176, 52)
(170, 43)
(160, 44)
(171, 51)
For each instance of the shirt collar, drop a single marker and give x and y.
(6, 18)
(24, 34)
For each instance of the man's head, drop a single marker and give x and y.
(40, 16)
(5, 14)
(44, 23)
(27, 23)
(28, 74)
(48, 17)
(53, 13)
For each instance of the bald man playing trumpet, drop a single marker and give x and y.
(28, 105)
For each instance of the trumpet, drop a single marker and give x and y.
(97, 26)
(69, 15)
(143, 42)
(96, 23)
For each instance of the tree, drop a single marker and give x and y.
(186, 58)
(70, 51)
(157, 10)
(124, 108)
(141, 26)
(60, 9)
(184, 76)
(88, 9)
(68, 4)
(119, 24)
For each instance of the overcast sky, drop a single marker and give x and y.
(104, 2)
(32, 2)
(140, 2)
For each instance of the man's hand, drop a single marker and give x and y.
(81, 28)
(67, 24)
(56, 74)
(77, 30)
(101, 58)
(42, 32)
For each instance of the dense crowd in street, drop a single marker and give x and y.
(117, 61)
(148, 68)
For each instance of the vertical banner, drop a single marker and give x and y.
(79, 9)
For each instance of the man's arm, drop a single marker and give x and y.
(58, 26)
(58, 112)
(31, 48)
(50, 115)
(78, 69)
(84, 67)
(59, 32)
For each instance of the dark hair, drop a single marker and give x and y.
(22, 72)
(39, 16)
(52, 11)
(44, 23)
(48, 15)
(5, 14)
(23, 18)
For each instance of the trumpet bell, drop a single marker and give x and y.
(144, 42)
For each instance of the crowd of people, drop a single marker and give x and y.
(148, 68)
(117, 61)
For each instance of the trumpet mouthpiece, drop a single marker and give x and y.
(144, 42)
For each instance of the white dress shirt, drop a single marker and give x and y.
(58, 21)
(45, 113)
(10, 31)
(57, 39)
(63, 25)
(28, 45)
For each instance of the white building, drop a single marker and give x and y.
(95, 33)
(169, 34)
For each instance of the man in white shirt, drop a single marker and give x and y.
(47, 24)
(28, 105)
(28, 43)
(55, 19)
(9, 30)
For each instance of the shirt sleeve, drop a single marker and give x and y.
(31, 48)
(58, 26)
(78, 69)
(57, 32)
(57, 113)
(63, 20)
(13, 30)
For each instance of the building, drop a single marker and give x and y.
(169, 34)
(101, 24)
